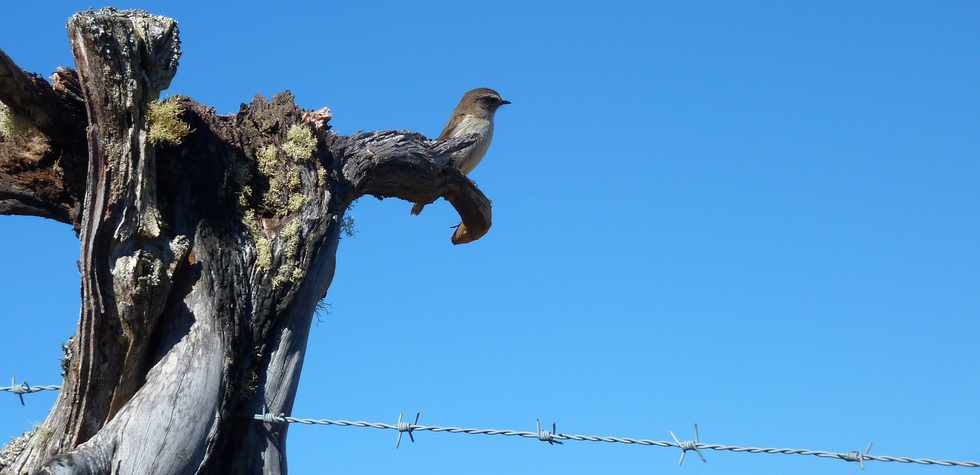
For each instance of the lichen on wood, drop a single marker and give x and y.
(295, 203)
(11, 126)
(300, 143)
(290, 271)
(283, 195)
(164, 123)
(263, 251)
(203, 258)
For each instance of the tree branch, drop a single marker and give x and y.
(202, 259)
(409, 166)
(30, 96)
(43, 149)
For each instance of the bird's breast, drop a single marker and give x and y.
(468, 158)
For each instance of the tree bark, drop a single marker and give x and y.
(43, 160)
(203, 253)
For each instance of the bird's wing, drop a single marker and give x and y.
(450, 127)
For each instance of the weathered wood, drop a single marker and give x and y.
(409, 166)
(50, 109)
(203, 256)
(42, 144)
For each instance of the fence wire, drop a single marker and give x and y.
(555, 437)
(23, 388)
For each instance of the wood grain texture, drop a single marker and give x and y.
(406, 165)
(42, 167)
(202, 261)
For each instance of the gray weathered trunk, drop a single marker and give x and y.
(206, 243)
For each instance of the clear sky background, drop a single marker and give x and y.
(758, 216)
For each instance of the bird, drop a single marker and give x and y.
(472, 116)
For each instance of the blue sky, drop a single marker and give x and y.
(756, 216)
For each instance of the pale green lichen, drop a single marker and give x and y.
(11, 126)
(272, 202)
(300, 143)
(295, 181)
(321, 176)
(290, 236)
(251, 221)
(263, 247)
(245, 196)
(263, 253)
(289, 271)
(164, 123)
(295, 203)
(281, 278)
(6, 123)
(280, 195)
(266, 158)
(284, 180)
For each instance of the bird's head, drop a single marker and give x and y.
(481, 102)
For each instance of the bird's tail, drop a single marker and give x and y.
(417, 208)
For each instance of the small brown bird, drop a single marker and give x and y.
(473, 115)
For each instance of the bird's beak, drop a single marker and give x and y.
(504, 103)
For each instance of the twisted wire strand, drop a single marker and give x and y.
(845, 456)
(860, 457)
(26, 389)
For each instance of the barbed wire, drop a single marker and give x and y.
(555, 437)
(23, 388)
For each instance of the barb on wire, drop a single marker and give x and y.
(549, 437)
(689, 445)
(404, 427)
(859, 457)
(555, 437)
(23, 388)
